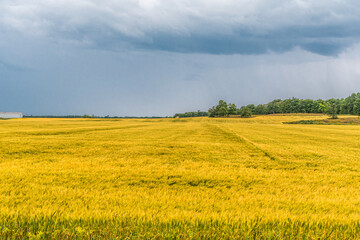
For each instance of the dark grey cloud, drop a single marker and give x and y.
(159, 57)
(243, 42)
(64, 79)
(323, 40)
(325, 27)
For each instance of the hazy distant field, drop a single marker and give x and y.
(184, 178)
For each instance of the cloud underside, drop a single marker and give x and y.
(323, 40)
(233, 44)
(325, 27)
(327, 41)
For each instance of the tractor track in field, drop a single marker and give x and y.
(75, 130)
(233, 136)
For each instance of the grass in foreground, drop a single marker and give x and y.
(52, 228)
(183, 178)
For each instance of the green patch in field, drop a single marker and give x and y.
(329, 121)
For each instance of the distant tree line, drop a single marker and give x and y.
(192, 114)
(224, 109)
(349, 105)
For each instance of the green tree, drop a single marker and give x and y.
(260, 109)
(321, 106)
(356, 108)
(232, 109)
(332, 108)
(222, 109)
(251, 107)
(274, 106)
(245, 112)
(212, 111)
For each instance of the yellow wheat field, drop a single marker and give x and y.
(196, 169)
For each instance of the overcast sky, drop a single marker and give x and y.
(160, 57)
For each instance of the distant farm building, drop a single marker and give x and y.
(11, 115)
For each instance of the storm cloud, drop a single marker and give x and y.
(202, 26)
(157, 57)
